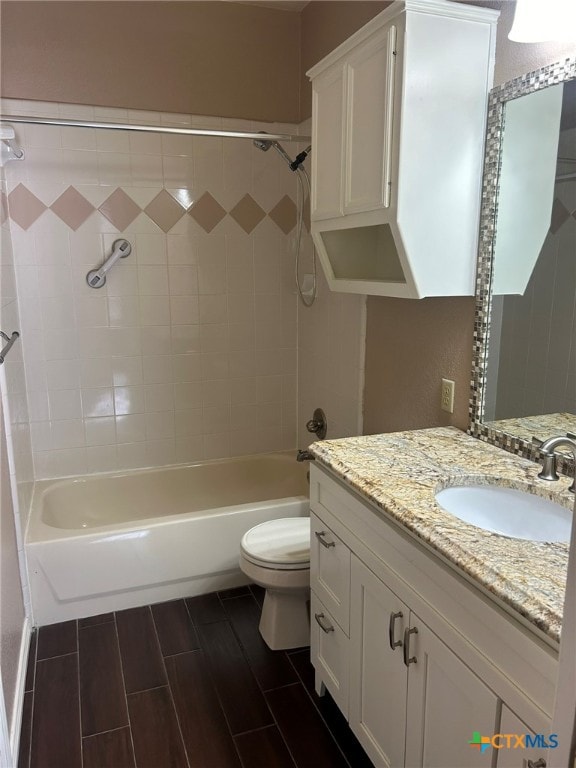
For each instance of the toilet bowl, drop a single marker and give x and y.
(276, 555)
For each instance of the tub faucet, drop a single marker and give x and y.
(305, 456)
(547, 449)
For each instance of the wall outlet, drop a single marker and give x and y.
(447, 396)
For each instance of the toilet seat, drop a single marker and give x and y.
(279, 544)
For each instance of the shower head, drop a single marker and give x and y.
(262, 144)
(265, 144)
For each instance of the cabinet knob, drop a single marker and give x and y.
(391, 627)
(538, 764)
(407, 658)
(320, 536)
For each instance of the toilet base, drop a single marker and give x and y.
(285, 620)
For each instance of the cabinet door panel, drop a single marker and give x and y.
(370, 86)
(329, 653)
(516, 758)
(377, 674)
(330, 571)
(446, 704)
(327, 139)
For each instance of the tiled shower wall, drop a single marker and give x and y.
(537, 369)
(14, 405)
(190, 350)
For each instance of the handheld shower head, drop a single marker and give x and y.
(265, 144)
(262, 144)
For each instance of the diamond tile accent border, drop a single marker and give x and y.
(207, 212)
(24, 207)
(560, 214)
(247, 213)
(284, 214)
(120, 209)
(165, 210)
(72, 208)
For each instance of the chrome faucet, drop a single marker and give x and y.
(547, 449)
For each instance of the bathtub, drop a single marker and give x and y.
(106, 542)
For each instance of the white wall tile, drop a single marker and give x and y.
(131, 428)
(191, 324)
(98, 402)
(100, 431)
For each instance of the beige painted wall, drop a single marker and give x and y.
(411, 345)
(208, 58)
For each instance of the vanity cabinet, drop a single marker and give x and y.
(412, 704)
(515, 758)
(391, 169)
(414, 657)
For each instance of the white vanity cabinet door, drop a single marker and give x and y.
(516, 758)
(330, 571)
(447, 702)
(328, 103)
(377, 713)
(368, 146)
(329, 652)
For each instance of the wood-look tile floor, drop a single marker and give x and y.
(184, 684)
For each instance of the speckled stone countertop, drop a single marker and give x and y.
(400, 473)
(541, 427)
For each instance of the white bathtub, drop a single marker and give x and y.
(107, 542)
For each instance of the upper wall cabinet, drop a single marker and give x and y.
(398, 120)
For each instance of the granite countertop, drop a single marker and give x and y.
(541, 427)
(400, 473)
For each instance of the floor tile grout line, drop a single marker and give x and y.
(28, 762)
(244, 653)
(101, 733)
(123, 688)
(218, 697)
(35, 630)
(181, 653)
(318, 710)
(169, 688)
(79, 696)
(265, 728)
(59, 656)
(274, 721)
(147, 690)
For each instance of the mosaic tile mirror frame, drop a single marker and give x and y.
(509, 435)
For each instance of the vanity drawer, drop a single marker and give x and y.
(330, 571)
(329, 654)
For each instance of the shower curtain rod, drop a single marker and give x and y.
(153, 128)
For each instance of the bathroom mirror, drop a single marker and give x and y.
(524, 364)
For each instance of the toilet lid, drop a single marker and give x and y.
(279, 543)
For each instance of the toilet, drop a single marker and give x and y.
(276, 555)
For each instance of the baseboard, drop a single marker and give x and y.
(16, 724)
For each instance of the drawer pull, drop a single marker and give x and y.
(538, 764)
(320, 536)
(391, 626)
(406, 650)
(322, 623)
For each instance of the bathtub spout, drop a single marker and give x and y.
(305, 456)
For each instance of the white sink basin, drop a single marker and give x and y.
(508, 512)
